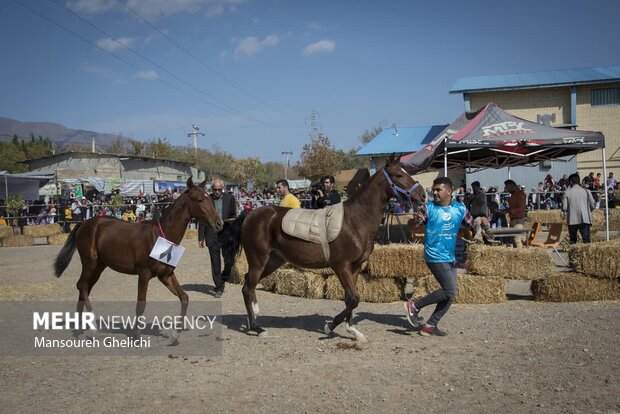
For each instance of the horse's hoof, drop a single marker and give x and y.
(263, 334)
(361, 339)
(327, 329)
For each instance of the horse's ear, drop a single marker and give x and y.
(203, 184)
(190, 183)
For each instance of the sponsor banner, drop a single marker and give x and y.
(111, 329)
(168, 186)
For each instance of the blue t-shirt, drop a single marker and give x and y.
(442, 226)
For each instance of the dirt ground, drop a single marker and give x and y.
(520, 356)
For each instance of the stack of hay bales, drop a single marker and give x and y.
(614, 219)
(508, 262)
(57, 239)
(5, 231)
(42, 230)
(574, 287)
(297, 282)
(596, 276)
(18, 241)
(471, 289)
(370, 288)
(545, 216)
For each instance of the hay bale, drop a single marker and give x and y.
(18, 241)
(42, 230)
(614, 219)
(596, 259)
(508, 262)
(239, 269)
(370, 289)
(294, 282)
(5, 231)
(574, 287)
(191, 234)
(471, 289)
(545, 216)
(57, 239)
(394, 260)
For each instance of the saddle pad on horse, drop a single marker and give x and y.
(316, 226)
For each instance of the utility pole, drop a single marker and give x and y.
(92, 145)
(287, 153)
(195, 133)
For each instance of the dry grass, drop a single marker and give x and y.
(398, 260)
(574, 287)
(57, 239)
(545, 216)
(18, 241)
(42, 230)
(510, 263)
(596, 259)
(370, 289)
(471, 289)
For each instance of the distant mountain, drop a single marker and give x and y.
(59, 134)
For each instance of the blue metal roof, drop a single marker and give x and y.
(401, 140)
(537, 79)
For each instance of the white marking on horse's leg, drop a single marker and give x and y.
(358, 335)
(263, 334)
(327, 329)
(174, 337)
(255, 308)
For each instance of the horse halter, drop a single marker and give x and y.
(396, 189)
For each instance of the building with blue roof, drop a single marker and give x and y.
(400, 140)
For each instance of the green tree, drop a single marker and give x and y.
(136, 147)
(117, 147)
(318, 158)
(349, 160)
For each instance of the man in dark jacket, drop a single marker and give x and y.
(331, 196)
(225, 206)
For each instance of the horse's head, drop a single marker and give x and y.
(201, 206)
(401, 185)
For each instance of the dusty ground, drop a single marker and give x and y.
(520, 356)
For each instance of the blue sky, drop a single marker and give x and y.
(259, 67)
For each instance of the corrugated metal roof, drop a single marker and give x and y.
(401, 140)
(537, 79)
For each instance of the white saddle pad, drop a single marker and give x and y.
(309, 225)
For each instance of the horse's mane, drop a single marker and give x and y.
(363, 187)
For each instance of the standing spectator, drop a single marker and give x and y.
(443, 217)
(225, 206)
(478, 210)
(578, 207)
(76, 210)
(516, 208)
(330, 196)
(563, 183)
(288, 199)
(611, 182)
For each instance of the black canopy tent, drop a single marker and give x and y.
(493, 138)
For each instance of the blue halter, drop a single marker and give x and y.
(398, 189)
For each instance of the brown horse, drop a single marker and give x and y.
(267, 247)
(107, 242)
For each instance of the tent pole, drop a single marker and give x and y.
(6, 189)
(445, 156)
(606, 194)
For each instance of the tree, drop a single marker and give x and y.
(117, 147)
(368, 136)
(136, 147)
(349, 160)
(159, 148)
(318, 158)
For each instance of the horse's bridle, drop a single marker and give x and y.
(396, 189)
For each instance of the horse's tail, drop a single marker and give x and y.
(66, 253)
(230, 238)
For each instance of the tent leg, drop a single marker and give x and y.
(445, 157)
(606, 194)
(560, 256)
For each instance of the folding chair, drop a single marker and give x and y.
(553, 240)
(416, 232)
(532, 237)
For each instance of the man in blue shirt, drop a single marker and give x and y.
(443, 217)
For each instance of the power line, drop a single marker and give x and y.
(190, 54)
(220, 105)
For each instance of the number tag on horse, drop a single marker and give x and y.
(167, 252)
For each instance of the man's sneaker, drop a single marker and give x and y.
(412, 314)
(427, 330)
